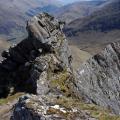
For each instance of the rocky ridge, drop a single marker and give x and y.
(41, 65)
(98, 79)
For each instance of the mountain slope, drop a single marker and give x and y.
(99, 78)
(13, 14)
(98, 29)
(76, 10)
(79, 56)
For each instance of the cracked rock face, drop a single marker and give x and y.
(98, 79)
(30, 65)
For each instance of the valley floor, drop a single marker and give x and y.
(94, 42)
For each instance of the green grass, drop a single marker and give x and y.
(10, 98)
(60, 82)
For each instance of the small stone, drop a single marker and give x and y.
(56, 107)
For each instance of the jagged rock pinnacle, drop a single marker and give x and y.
(30, 65)
(45, 71)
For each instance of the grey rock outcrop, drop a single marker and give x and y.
(31, 65)
(98, 79)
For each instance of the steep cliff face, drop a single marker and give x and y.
(99, 78)
(34, 64)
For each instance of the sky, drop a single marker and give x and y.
(70, 1)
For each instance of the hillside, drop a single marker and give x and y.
(98, 29)
(15, 13)
(79, 56)
(76, 10)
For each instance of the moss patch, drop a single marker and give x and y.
(60, 82)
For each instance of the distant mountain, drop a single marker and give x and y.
(14, 14)
(98, 29)
(37, 10)
(76, 10)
